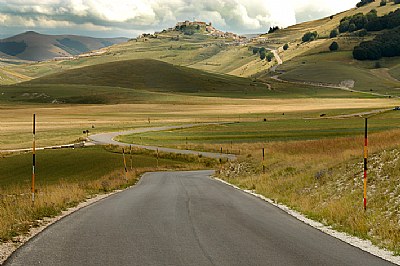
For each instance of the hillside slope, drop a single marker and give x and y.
(151, 75)
(34, 46)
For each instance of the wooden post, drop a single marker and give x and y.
(126, 170)
(33, 159)
(157, 158)
(365, 163)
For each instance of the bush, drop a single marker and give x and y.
(352, 27)
(344, 26)
(262, 55)
(256, 50)
(364, 2)
(334, 33)
(270, 56)
(383, 3)
(362, 33)
(310, 36)
(334, 46)
(396, 1)
(286, 46)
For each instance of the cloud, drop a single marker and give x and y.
(130, 17)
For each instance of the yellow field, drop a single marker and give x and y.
(64, 124)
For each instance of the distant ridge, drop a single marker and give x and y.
(34, 46)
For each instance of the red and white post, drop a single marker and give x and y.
(365, 163)
(33, 159)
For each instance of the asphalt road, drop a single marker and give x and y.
(185, 218)
(108, 138)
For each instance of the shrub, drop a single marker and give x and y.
(310, 36)
(286, 46)
(334, 46)
(262, 55)
(352, 27)
(383, 3)
(362, 33)
(333, 34)
(364, 2)
(270, 56)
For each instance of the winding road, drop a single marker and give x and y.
(185, 218)
(109, 138)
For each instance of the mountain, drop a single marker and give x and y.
(34, 46)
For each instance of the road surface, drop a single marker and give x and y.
(108, 138)
(185, 218)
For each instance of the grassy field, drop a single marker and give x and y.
(334, 68)
(66, 177)
(277, 127)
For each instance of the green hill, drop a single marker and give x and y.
(152, 75)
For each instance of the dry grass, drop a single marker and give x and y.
(323, 179)
(17, 215)
(64, 124)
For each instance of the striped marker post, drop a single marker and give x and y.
(130, 151)
(33, 159)
(365, 163)
(263, 159)
(126, 170)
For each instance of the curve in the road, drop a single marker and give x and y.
(185, 218)
(109, 138)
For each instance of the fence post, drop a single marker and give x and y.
(33, 158)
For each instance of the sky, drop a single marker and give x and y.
(129, 18)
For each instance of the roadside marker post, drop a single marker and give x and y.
(365, 163)
(130, 151)
(33, 159)
(126, 170)
(263, 159)
(157, 158)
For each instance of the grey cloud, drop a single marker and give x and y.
(130, 17)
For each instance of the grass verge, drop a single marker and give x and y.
(67, 177)
(323, 179)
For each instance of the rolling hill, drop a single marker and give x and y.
(151, 75)
(34, 46)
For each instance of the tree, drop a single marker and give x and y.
(256, 50)
(262, 55)
(344, 26)
(270, 56)
(273, 29)
(352, 27)
(334, 33)
(362, 33)
(396, 2)
(286, 46)
(310, 36)
(383, 3)
(334, 46)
